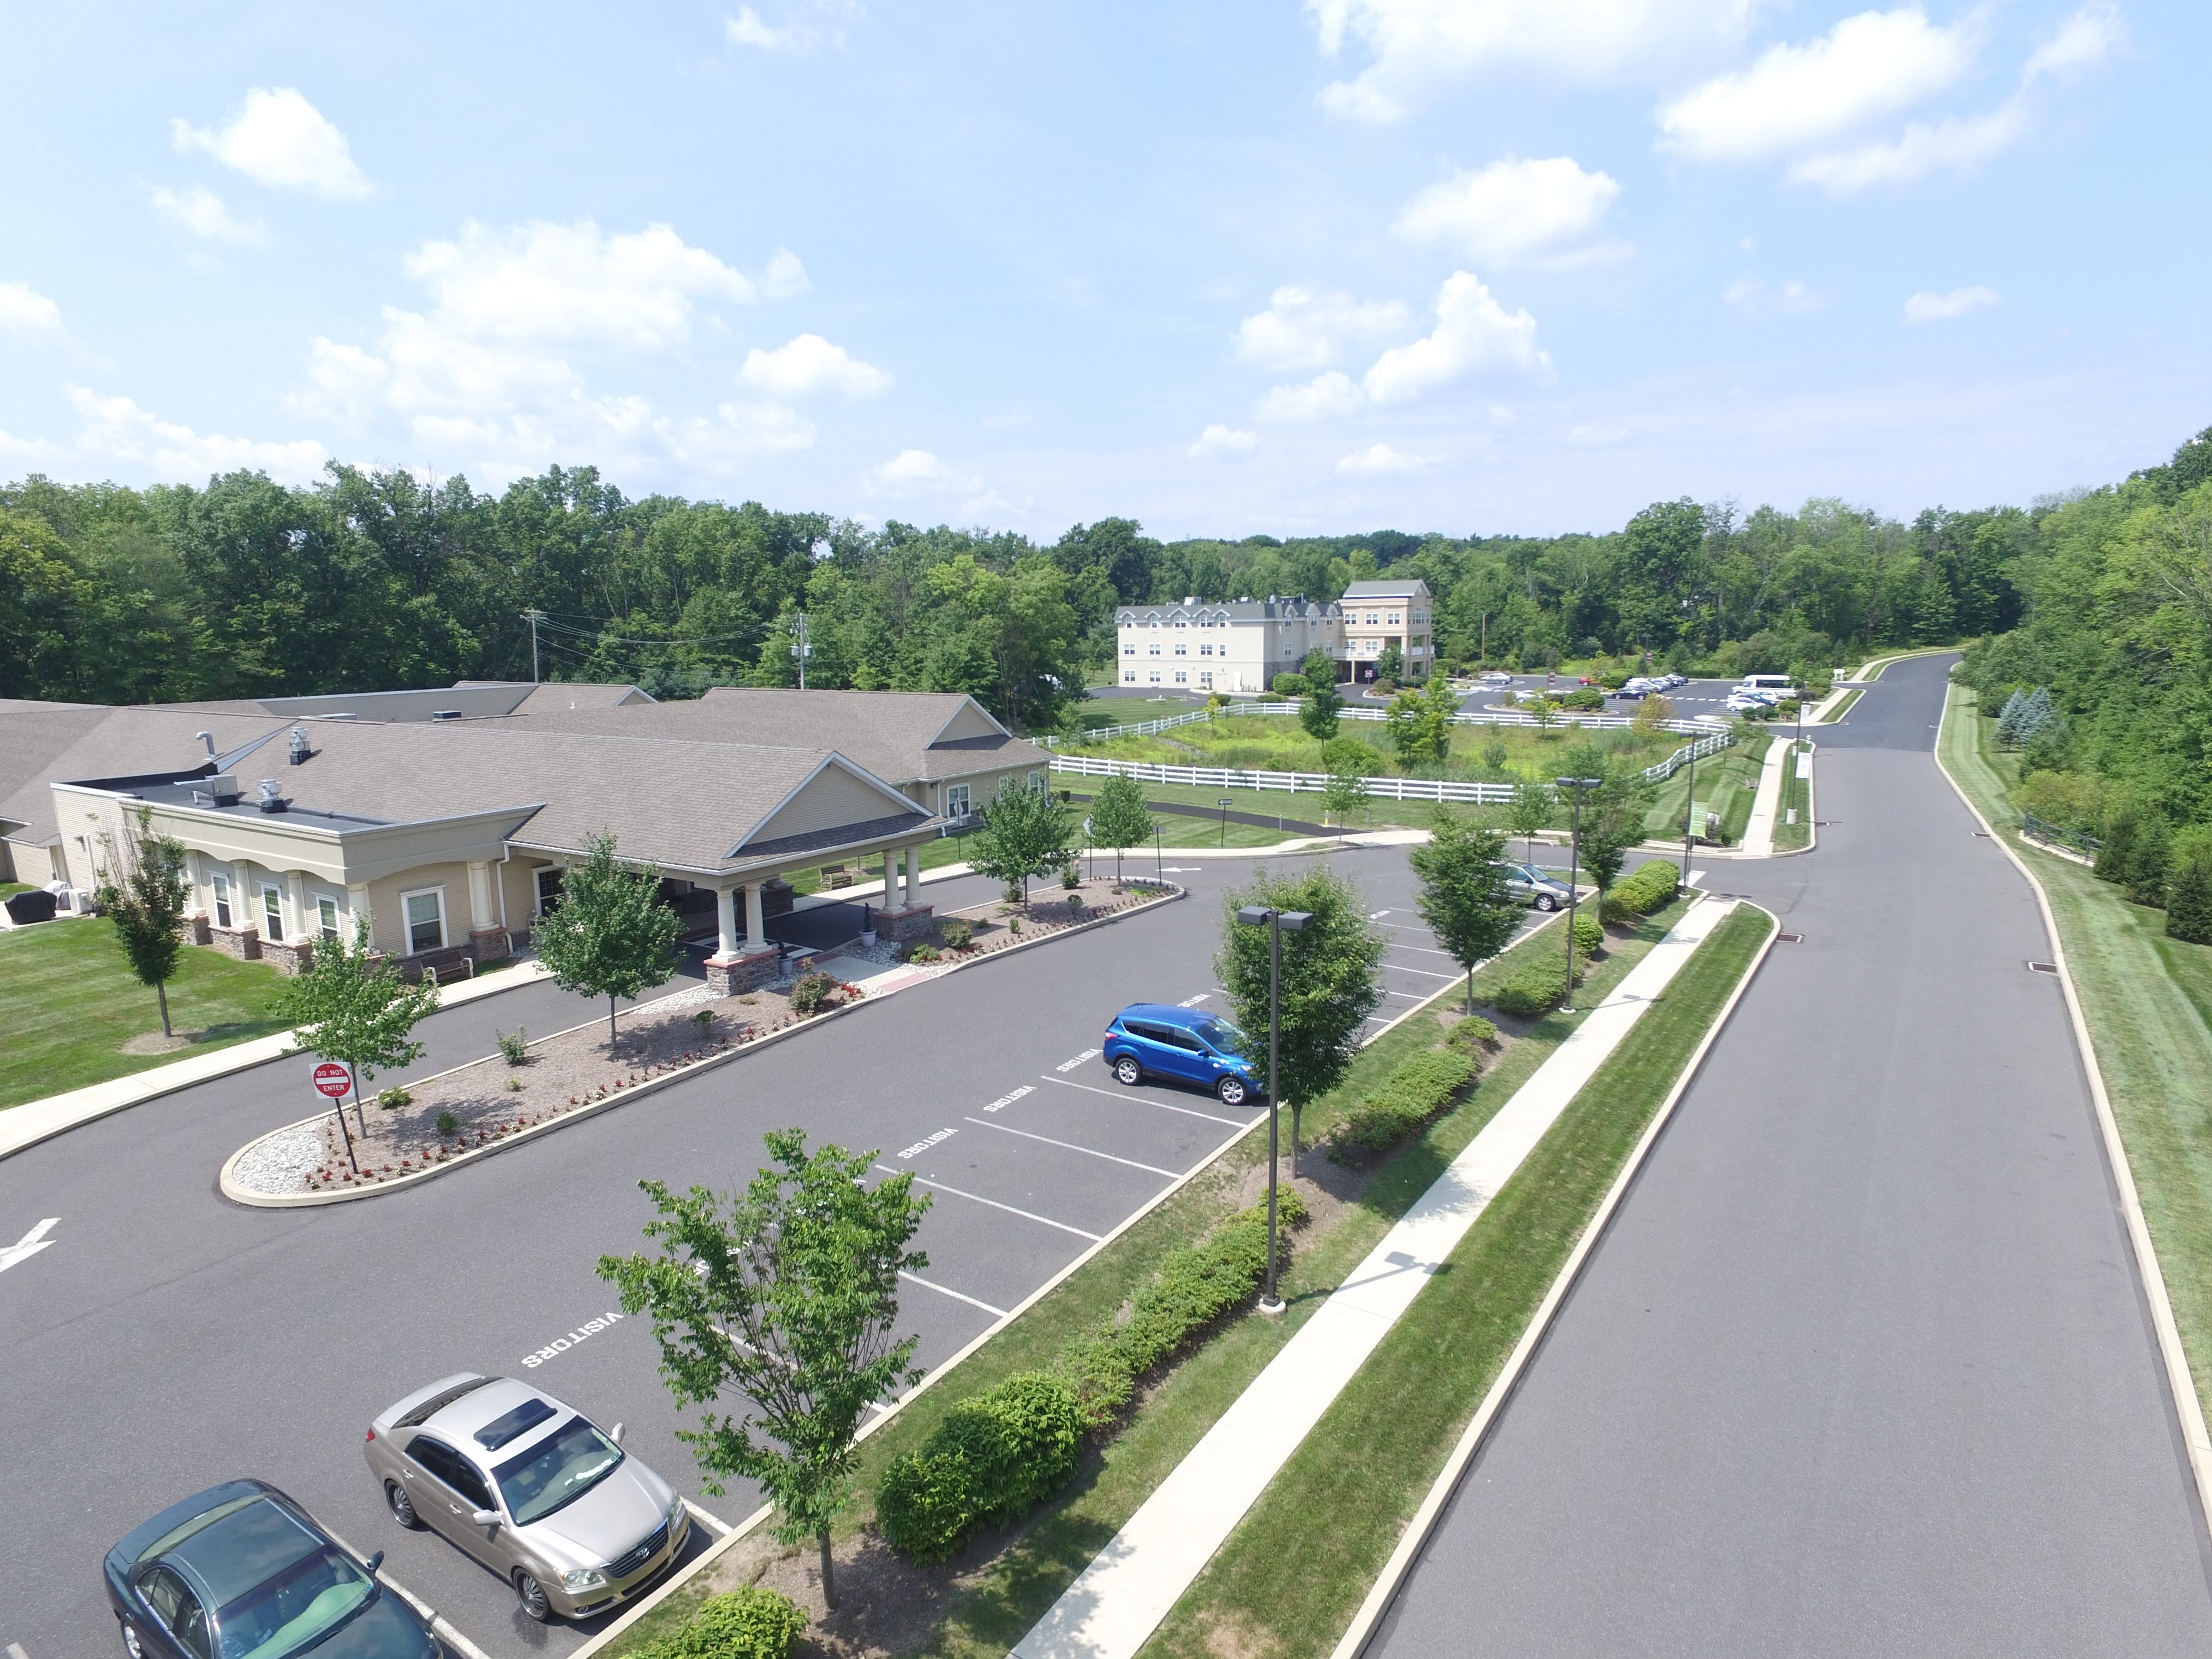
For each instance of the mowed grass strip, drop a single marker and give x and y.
(2147, 1000)
(1293, 1573)
(72, 1003)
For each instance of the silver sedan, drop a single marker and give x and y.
(1533, 888)
(531, 1488)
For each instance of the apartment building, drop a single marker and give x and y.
(1231, 646)
(1381, 614)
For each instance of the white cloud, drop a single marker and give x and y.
(1927, 306)
(809, 367)
(2082, 41)
(739, 432)
(1867, 68)
(784, 276)
(1960, 145)
(1301, 329)
(279, 139)
(30, 315)
(1219, 440)
(1325, 395)
(199, 210)
(1755, 297)
(1379, 459)
(1419, 44)
(913, 473)
(1540, 212)
(748, 28)
(116, 432)
(1474, 335)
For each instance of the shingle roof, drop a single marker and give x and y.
(118, 742)
(1397, 590)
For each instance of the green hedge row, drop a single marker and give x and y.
(746, 1623)
(1589, 932)
(1416, 1090)
(996, 1456)
(1651, 888)
(1536, 987)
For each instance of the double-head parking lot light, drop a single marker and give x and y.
(1277, 922)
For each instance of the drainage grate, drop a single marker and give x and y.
(2042, 967)
(1789, 938)
(1981, 835)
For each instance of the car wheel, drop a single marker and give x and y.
(1232, 1090)
(530, 1595)
(131, 1642)
(1127, 1072)
(401, 1506)
(1546, 902)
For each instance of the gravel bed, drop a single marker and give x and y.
(280, 1163)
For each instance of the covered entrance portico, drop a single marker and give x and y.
(747, 956)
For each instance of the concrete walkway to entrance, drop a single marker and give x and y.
(1115, 1605)
(1766, 806)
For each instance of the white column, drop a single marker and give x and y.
(356, 910)
(913, 878)
(726, 917)
(484, 910)
(756, 919)
(245, 903)
(295, 882)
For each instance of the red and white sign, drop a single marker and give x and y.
(330, 1079)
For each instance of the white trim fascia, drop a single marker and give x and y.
(831, 757)
(966, 702)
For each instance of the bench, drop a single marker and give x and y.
(439, 966)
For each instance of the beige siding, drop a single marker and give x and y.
(831, 798)
(970, 722)
(32, 863)
(518, 879)
(388, 931)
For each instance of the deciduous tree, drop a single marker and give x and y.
(143, 893)
(1464, 897)
(1024, 833)
(1119, 819)
(610, 935)
(349, 1006)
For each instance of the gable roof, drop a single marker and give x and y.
(1386, 590)
(107, 743)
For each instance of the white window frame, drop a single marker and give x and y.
(1155, 678)
(407, 921)
(1130, 677)
(1129, 648)
(272, 900)
(1037, 783)
(956, 800)
(327, 927)
(219, 885)
(1182, 647)
(1181, 678)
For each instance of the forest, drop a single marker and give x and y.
(371, 581)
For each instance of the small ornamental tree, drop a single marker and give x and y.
(610, 935)
(1612, 814)
(788, 1294)
(1464, 897)
(1119, 818)
(352, 1007)
(143, 893)
(1024, 833)
(1322, 702)
(1421, 722)
(1390, 663)
(1330, 981)
(1342, 795)
(1531, 812)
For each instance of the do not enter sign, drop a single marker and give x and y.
(330, 1079)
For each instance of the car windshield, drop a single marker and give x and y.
(296, 1609)
(559, 1470)
(1225, 1037)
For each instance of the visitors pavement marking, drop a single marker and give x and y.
(1378, 915)
(977, 1198)
(1070, 1065)
(1004, 1101)
(590, 1327)
(29, 1245)
(1069, 1146)
(945, 1290)
(1192, 1002)
(1116, 1602)
(1141, 1100)
(928, 1141)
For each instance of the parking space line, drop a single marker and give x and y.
(1425, 973)
(438, 1624)
(977, 1198)
(957, 1295)
(1425, 949)
(1069, 1146)
(1123, 1093)
(721, 1528)
(1411, 996)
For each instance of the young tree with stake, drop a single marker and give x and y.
(610, 935)
(1024, 832)
(1464, 897)
(348, 1007)
(1530, 813)
(1119, 819)
(788, 1294)
(146, 907)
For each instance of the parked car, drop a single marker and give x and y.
(1631, 693)
(1152, 1039)
(240, 1569)
(529, 1487)
(1745, 703)
(1532, 887)
(1497, 676)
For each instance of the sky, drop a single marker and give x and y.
(1471, 266)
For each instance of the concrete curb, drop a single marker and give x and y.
(252, 1200)
(2188, 1409)
(1416, 1535)
(58, 1113)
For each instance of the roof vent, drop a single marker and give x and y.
(223, 788)
(453, 714)
(271, 799)
(300, 750)
(207, 737)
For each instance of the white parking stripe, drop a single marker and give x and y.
(1400, 967)
(916, 1279)
(1426, 950)
(1411, 996)
(977, 1198)
(720, 1527)
(1123, 1093)
(1069, 1146)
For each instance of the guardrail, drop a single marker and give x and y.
(2043, 829)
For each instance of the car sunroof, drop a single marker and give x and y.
(505, 1427)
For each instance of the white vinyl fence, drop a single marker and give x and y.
(1487, 717)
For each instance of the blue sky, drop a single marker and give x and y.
(1482, 266)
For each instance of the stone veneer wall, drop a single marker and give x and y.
(243, 943)
(289, 956)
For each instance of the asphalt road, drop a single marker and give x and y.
(169, 1340)
(1863, 1366)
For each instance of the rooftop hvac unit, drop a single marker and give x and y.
(271, 799)
(300, 751)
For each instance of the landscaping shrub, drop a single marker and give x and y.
(1587, 696)
(448, 1124)
(922, 953)
(2073, 800)
(989, 1461)
(392, 1099)
(1415, 1092)
(704, 1019)
(1652, 887)
(514, 1045)
(1535, 989)
(957, 932)
(1590, 932)
(2189, 888)
(1473, 1032)
(1070, 877)
(811, 993)
(752, 1623)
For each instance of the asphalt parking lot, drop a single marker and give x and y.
(169, 1340)
(1697, 698)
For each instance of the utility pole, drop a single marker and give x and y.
(801, 650)
(533, 617)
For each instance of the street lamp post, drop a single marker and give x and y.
(1224, 806)
(1574, 786)
(801, 647)
(1159, 858)
(1689, 811)
(1275, 921)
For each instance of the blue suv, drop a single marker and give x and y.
(1150, 1039)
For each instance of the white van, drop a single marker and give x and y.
(1779, 684)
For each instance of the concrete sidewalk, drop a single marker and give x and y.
(1115, 1605)
(1765, 807)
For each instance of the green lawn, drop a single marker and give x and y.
(1843, 707)
(71, 1003)
(1726, 783)
(1796, 793)
(2146, 1000)
(1296, 1568)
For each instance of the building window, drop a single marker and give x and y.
(955, 796)
(1129, 678)
(424, 914)
(1180, 678)
(1036, 782)
(1156, 676)
(221, 901)
(1394, 619)
(1130, 649)
(326, 919)
(1206, 648)
(1182, 648)
(272, 913)
(1182, 624)
(549, 888)
(1206, 677)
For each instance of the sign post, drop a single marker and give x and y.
(334, 1082)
